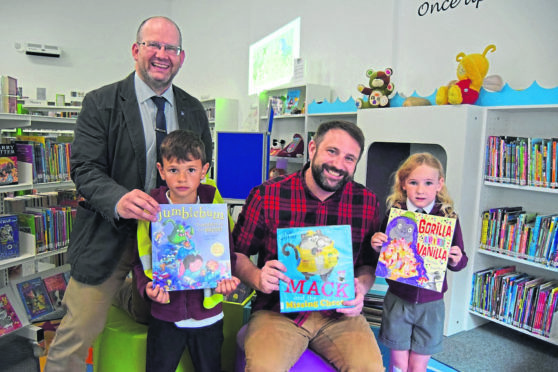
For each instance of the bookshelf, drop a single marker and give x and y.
(517, 121)
(13, 121)
(303, 123)
(458, 134)
(30, 261)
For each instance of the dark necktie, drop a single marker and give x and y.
(160, 129)
(420, 210)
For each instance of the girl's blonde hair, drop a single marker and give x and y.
(398, 196)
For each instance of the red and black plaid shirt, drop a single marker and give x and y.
(287, 202)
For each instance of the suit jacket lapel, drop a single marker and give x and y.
(180, 102)
(132, 118)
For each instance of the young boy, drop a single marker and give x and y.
(179, 318)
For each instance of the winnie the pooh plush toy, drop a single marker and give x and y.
(378, 91)
(471, 70)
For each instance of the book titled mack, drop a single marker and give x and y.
(319, 263)
(417, 249)
(190, 246)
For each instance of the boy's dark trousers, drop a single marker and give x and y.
(166, 343)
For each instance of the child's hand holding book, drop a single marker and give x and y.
(227, 286)
(378, 239)
(157, 294)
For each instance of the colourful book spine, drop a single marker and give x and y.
(484, 228)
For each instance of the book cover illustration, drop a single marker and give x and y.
(190, 246)
(35, 298)
(417, 249)
(319, 263)
(8, 164)
(277, 104)
(9, 236)
(9, 321)
(56, 287)
(291, 104)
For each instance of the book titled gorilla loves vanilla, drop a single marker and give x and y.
(417, 249)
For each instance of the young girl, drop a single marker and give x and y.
(413, 318)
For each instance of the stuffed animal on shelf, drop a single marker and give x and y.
(416, 101)
(471, 71)
(378, 91)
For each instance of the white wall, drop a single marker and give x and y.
(95, 38)
(522, 31)
(339, 41)
(331, 42)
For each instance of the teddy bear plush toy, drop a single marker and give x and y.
(471, 71)
(378, 91)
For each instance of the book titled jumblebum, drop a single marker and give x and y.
(190, 246)
(319, 261)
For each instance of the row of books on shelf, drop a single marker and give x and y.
(516, 298)
(286, 105)
(518, 233)
(49, 157)
(18, 203)
(373, 308)
(49, 225)
(32, 299)
(525, 161)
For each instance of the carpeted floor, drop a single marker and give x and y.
(495, 348)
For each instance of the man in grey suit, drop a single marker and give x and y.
(113, 165)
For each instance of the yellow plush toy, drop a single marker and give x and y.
(471, 70)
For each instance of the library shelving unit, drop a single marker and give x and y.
(285, 126)
(30, 261)
(457, 136)
(516, 121)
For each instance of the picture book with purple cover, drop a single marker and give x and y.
(35, 298)
(417, 249)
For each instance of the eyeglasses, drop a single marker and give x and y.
(155, 46)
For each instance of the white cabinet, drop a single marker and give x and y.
(453, 134)
(515, 121)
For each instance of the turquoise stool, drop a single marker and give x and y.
(122, 344)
